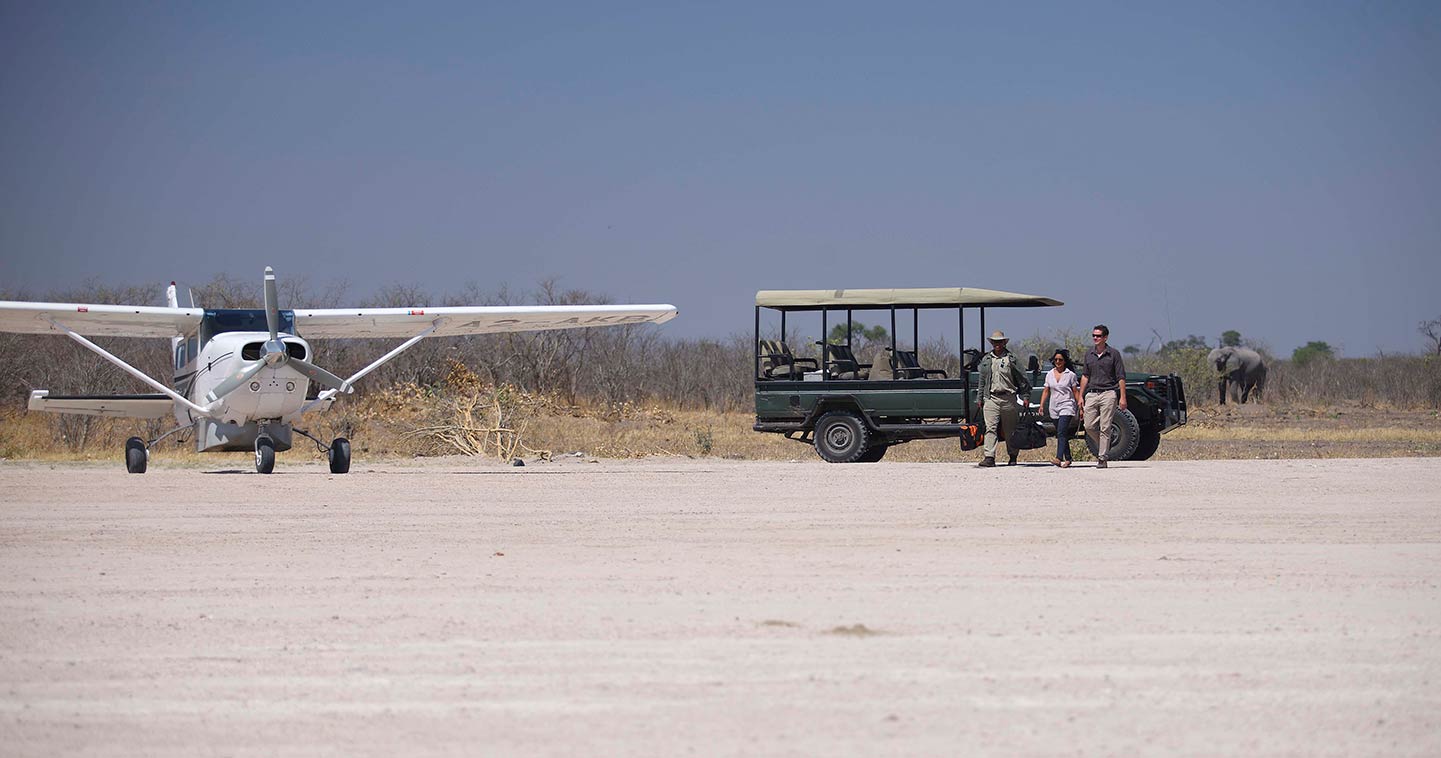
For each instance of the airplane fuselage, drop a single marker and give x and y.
(267, 404)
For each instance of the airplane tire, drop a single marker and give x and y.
(340, 456)
(135, 456)
(264, 456)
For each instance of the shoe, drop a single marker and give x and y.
(1056, 462)
(1065, 464)
(1012, 460)
(1101, 463)
(987, 463)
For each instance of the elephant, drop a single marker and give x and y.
(1243, 368)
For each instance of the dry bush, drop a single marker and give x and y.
(1393, 381)
(472, 418)
(1198, 376)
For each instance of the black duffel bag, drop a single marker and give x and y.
(1029, 434)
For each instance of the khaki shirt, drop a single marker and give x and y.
(998, 373)
(1001, 382)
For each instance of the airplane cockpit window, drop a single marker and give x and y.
(186, 350)
(221, 320)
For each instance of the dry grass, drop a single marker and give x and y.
(462, 415)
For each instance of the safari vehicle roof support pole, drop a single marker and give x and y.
(916, 330)
(825, 354)
(961, 347)
(757, 345)
(961, 335)
(381, 361)
(893, 333)
(129, 369)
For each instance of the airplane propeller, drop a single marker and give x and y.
(274, 353)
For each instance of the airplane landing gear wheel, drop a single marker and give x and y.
(135, 455)
(340, 456)
(264, 455)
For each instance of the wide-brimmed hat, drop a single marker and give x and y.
(999, 336)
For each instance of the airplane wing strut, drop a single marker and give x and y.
(381, 361)
(129, 369)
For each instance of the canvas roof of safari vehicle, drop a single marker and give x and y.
(925, 297)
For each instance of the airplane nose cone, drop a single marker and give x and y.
(275, 353)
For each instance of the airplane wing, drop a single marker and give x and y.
(455, 321)
(115, 406)
(98, 320)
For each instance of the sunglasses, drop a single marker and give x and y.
(1097, 336)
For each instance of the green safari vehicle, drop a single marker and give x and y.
(853, 412)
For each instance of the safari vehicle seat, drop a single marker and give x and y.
(882, 367)
(972, 359)
(843, 363)
(778, 362)
(908, 366)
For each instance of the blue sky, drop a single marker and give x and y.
(1185, 168)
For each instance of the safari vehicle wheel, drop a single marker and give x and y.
(874, 454)
(340, 456)
(1125, 436)
(841, 437)
(135, 456)
(264, 456)
(1150, 440)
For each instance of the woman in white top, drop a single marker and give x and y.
(1063, 390)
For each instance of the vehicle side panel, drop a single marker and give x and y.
(877, 400)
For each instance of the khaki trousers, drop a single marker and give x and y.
(999, 413)
(1100, 412)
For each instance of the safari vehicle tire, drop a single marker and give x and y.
(874, 454)
(841, 437)
(1150, 440)
(264, 456)
(1125, 436)
(135, 457)
(340, 456)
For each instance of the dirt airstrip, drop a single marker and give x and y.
(674, 606)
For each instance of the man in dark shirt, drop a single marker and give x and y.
(1103, 385)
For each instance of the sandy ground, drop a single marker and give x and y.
(673, 606)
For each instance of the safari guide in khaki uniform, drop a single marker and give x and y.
(1103, 385)
(1001, 380)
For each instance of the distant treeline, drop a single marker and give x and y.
(616, 365)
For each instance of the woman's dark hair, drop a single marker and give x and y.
(1064, 353)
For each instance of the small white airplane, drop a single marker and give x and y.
(242, 375)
